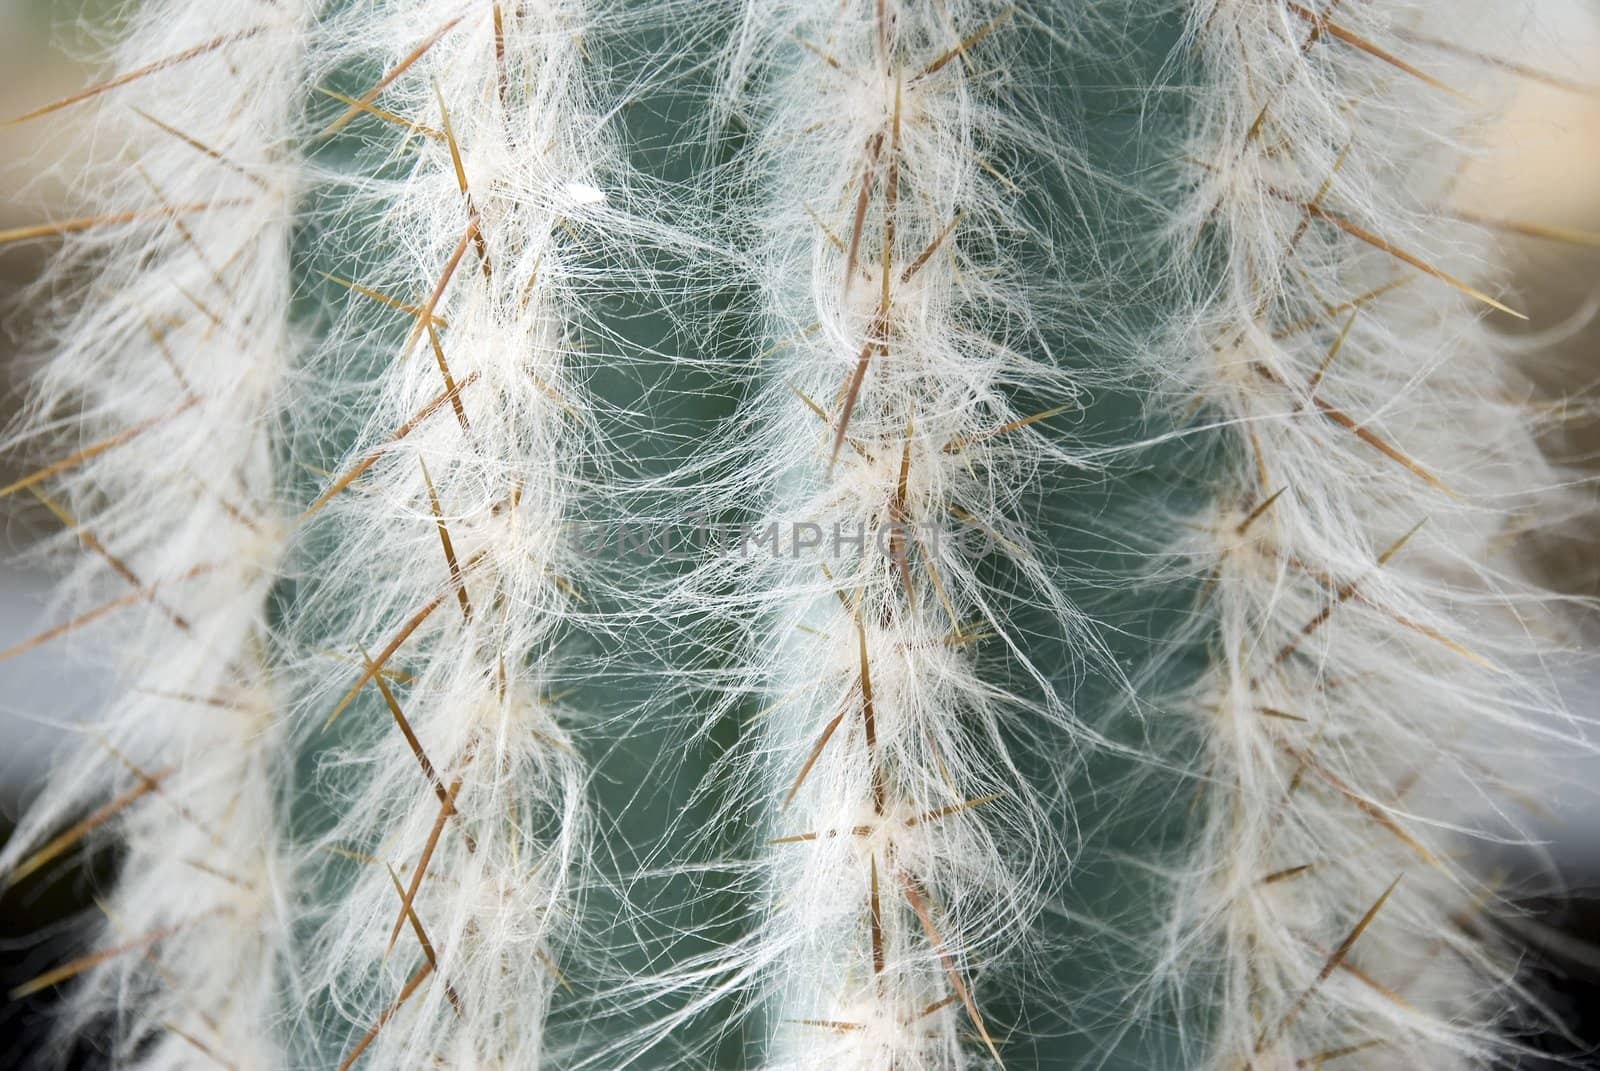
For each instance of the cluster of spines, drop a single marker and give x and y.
(909, 852)
(1368, 658)
(171, 365)
(461, 796)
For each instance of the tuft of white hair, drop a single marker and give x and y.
(439, 575)
(170, 302)
(1377, 647)
(880, 462)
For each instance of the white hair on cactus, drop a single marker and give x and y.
(908, 853)
(171, 299)
(1377, 644)
(1376, 678)
(450, 579)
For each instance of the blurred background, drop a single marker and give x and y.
(1545, 185)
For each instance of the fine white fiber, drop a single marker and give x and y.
(169, 301)
(881, 459)
(1376, 694)
(439, 579)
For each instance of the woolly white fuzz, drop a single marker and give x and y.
(450, 568)
(1375, 686)
(160, 396)
(908, 853)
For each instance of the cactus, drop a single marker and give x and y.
(1368, 626)
(1122, 413)
(164, 394)
(905, 854)
(438, 549)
